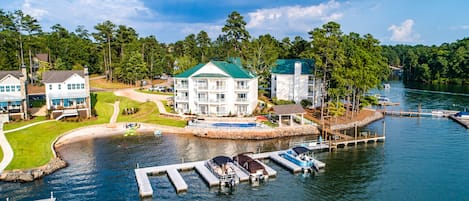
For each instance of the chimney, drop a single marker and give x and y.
(87, 90)
(296, 82)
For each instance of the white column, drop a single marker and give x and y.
(291, 120)
(279, 120)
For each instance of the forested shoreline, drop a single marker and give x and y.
(348, 64)
(444, 64)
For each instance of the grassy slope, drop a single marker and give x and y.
(13, 125)
(148, 113)
(31, 146)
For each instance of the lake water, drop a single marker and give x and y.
(422, 159)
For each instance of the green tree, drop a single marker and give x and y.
(104, 35)
(204, 44)
(327, 53)
(261, 56)
(132, 69)
(236, 33)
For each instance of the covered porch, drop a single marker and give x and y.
(289, 112)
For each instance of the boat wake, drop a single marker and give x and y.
(437, 92)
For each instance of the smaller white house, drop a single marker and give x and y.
(217, 88)
(67, 93)
(13, 99)
(293, 79)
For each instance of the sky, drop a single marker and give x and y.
(428, 22)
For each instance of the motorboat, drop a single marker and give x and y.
(223, 168)
(302, 157)
(462, 115)
(257, 172)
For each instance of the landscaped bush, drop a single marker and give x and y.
(282, 102)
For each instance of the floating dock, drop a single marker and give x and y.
(146, 190)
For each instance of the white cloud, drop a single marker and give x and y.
(289, 20)
(465, 27)
(85, 12)
(404, 32)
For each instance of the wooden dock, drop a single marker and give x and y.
(361, 140)
(463, 121)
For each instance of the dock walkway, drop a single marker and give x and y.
(145, 188)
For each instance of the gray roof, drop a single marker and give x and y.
(288, 109)
(15, 73)
(58, 76)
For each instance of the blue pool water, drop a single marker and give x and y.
(237, 125)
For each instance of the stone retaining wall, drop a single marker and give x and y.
(255, 134)
(32, 174)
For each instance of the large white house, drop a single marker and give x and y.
(67, 93)
(217, 88)
(13, 99)
(293, 79)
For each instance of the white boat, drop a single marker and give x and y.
(302, 157)
(223, 168)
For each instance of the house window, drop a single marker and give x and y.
(242, 97)
(220, 97)
(55, 102)
(220, 109)
(220, 84)
(82, 86)
(7, 88)
(69, 86)
(60, 86)
(241, 85)
(242, 109)
(2, 88)
(18, 88)
(73, 86)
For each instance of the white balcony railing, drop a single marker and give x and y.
(182, 86)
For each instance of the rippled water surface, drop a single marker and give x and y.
(422, 159)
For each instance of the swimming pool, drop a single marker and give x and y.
(236, 125)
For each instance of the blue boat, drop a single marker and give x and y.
(302, 157)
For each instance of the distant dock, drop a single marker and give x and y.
(420, 113)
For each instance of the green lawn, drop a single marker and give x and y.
(31, 146)
(148, 113)
(13, 125)
(167, 107)
(1, 154)
(154, 92)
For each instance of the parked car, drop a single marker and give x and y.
(157, 88)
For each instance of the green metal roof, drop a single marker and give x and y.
(233, 70)
(287, 66)
(189, 71)
(210, 75)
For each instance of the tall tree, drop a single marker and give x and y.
(203, 43)
(327, 54)
(236, 33)
(105, 33)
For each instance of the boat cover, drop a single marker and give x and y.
(221, 160)
(300, 149)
